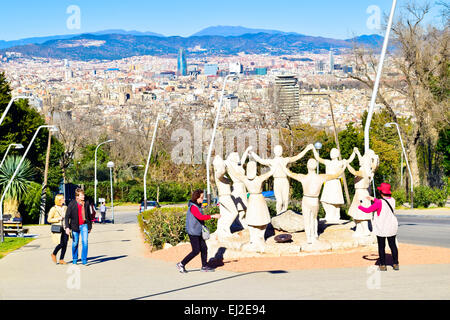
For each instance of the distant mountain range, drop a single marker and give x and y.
(234, 31)
(219, 40)
(39, 40)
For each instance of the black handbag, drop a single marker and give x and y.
(56, 228)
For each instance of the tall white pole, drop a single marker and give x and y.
(208, 159)
(95, 172)
(378, 77)
(401, 169)
(148, 162)
(14, 175)
(407, 163)
(112, 193)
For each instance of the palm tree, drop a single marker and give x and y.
(18, 186)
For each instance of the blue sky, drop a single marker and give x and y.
(327, 18)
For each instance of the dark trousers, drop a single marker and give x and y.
(381, 249)
(103, 216)
(198, 246)
(62, 245)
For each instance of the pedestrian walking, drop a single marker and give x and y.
(385, 224)
(103, 212)
(78, 220)
(195, 220)
(56, 217)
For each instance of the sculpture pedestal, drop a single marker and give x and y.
(332, 238)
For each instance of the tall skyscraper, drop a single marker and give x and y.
(287, 94)
(331, 61)
(182, 64)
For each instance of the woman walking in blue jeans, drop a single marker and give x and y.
(79, 220)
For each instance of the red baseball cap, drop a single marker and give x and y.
(385, 188)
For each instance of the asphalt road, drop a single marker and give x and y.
(424, 230)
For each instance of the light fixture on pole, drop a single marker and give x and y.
(95, 171)
(10, 104)
(388, 125)
(148, 162)
(378, 77)
(16, 146)
(318, 146)
(110, 165)
(53, 129)
(208, 159)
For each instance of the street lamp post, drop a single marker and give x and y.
(53, 129)
(388, 125)
(208, 159)
(16, 146)
(318, 146)
(148, 162)
(10, 104)
(95, 171)
(110, 166)
(378, 77)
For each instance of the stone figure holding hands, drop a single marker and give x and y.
(281, 183)
(312, 183)
(239, 192)
(332, 197)
(228, 210)
(363, 177)
(258, 216)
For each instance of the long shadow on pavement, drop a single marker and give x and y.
(96, 260)
(209, 282)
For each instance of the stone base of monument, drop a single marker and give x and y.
(332, 237)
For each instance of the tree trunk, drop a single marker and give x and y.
(11, 207)
(413, 163)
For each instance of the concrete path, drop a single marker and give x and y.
(119, 269)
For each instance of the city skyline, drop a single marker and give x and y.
(325, 18)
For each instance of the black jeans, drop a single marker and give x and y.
(381, 249)
(103, 216)
(62, 245)
(198, 246)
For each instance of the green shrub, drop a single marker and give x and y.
(212, 223)
(424, 196)
(399, 196)
(167, 225)
(163, 225)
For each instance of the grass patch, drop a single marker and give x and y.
(11, 244)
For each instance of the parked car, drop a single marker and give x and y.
(269, 195)
(214, 201)
(150, 205)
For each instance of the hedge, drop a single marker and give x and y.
(167, 225)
